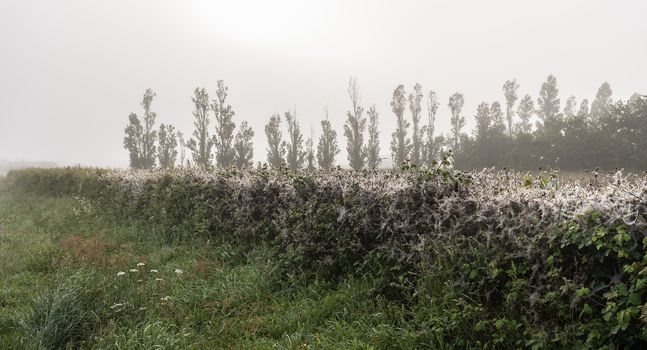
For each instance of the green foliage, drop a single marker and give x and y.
(58, 320)
(455, 259)
(154, 335)
(608, 138)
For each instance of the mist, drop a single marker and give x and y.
(300, 174)
(72, 71)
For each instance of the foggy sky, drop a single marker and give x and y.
(72, 71)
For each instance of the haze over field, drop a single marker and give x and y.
(72, 71)
(323, 174)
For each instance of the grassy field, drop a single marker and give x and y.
(419, 259)
(69, 276)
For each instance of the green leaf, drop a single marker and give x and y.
(480, 325)
(499, 323)
(586, 310)
(582, 292)
(635, 299)
(625, 316)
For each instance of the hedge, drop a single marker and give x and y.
(546, 260)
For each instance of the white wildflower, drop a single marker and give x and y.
(120, 273)
(166, 298)
(178, 272)
(154, 271)
(133, 270)
(159, 279)
(141, 264)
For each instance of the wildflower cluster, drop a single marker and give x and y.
(143, 274)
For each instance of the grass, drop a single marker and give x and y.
(74, 277)
(61, 287)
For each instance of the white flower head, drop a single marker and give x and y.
(141, 264)
(154, 271)
(133, 270)
(166, 298)
(120, 273)
(159, 279)
(178, 272)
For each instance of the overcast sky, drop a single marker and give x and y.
(72, 71)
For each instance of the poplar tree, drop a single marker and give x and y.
(149, 135)
(455, 104)
(430, 145)
(373, 159)
(167, 149)
(310, 155)
(548, 100)
(400, 143)
(415, 101)
(141, 137)
(224, 136)
(496, 118)
(510, 91)
(601, 102)
(525, 111)
(275, 143)
(244, 147)
(584, 112)
(569, 107)
(182, 147)
(550, 128)
(200, 144)
(327, 148)
(483, 121)
(295, 155)
(354, 128)
(133, 141)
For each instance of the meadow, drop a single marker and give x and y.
(267, 259)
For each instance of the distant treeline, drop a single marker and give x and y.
(604, 134)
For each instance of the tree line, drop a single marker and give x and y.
(605, 133)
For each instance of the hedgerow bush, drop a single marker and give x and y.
(514, 260)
